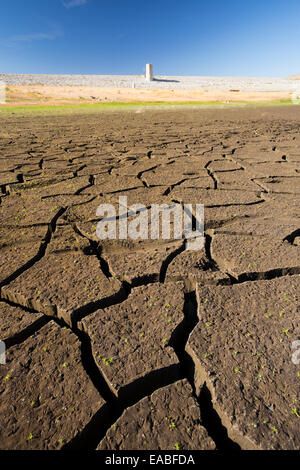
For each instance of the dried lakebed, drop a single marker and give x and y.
(141, 344)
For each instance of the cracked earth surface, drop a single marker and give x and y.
(140, 344)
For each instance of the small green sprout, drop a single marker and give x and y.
(7, 377)
(108, 361)
(30, 436)
(295, 412)
(177, 446)
(65, 364)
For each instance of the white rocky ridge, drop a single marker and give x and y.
(246, 84)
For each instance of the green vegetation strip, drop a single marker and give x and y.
(94, 107)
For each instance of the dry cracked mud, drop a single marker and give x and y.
(141, 344)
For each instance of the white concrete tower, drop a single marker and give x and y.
(149, 72)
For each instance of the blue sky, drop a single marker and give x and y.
(187, 37)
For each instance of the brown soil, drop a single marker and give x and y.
(137, 344)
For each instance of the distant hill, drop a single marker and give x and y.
(294, 77)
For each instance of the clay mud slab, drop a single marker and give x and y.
(29, 174)
(17, 211)
(59, 164)
(221, 216)
(224, 165)
(14, 322)
(290, 185)
(93, 169)
(7, 178)
(204, 182)
(39, 182)
(14, 163)
(280, 206)
(194, 265)
(106, 184)
(49, 175)
(34, 209)
(46, 396)
(173, 173)
(271, 169)
(169, 419)
(145, 196)
(63, 201)
(242, 350)
(66, 279)
(84, 214)
(235, 180)
(283, 228)
(256, 153)
(212, 197)
(130, 341)
(66, 184)
(141, 261)
(18, 247)
(139, 166)
(239, 254)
